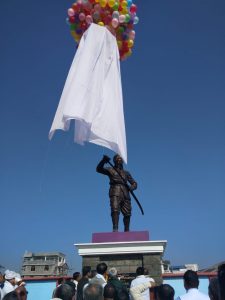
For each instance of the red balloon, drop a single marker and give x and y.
(133, 8)
(72, 19)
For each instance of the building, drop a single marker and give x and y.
(44, 264)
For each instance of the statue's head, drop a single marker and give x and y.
(118, 161)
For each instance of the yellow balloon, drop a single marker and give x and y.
(111, 3)
(119, 43)
(103, 3)
(101, 23)
(130, 43)
(124, 11)
(124, 3)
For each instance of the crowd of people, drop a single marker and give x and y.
(104, 284)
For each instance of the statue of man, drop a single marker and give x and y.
(119, 190)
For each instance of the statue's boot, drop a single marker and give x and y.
(115, 220)
(126, 222)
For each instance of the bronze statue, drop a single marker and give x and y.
(119, 190)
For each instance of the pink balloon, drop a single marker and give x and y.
(70, 12)
(89, 19)
(115, 23)
(132, 35)
(82, 16)
(121, 18)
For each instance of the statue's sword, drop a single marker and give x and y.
(132, 193)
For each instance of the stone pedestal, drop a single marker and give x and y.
(125, 251)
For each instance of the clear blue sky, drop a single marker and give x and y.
(174, 102)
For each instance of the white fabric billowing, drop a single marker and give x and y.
(92, 94)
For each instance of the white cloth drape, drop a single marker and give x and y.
(92, 94)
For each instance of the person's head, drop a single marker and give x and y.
(21, 292)
(118, 161)
(146, 272)
(11, 296)
(101, 268)
(165, 292)
(109, 291)
(221, 280)
(76, 276)
(65, 292)
(190, 280)
(123, 295)
(213, 289)
(93, 292)
(93, 273)
(10, 276)
(86, 271)
(60, 280)
(112, 272)
(140, 271)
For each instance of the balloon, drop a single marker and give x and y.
(82, 16)
(89, 19)
(111, 3)
(119, 16)
(133, 8)
(132, 35)
(130, 43)
(136, 20)
(71, 12)
(116, 15)
(124, 3)
(102, 3)
(115, 23)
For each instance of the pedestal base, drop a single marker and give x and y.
(125, 251)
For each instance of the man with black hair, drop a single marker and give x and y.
(165, 292)
(139, 280)
(191, 283)
(119, 191)
(100, 277)
(76, 278)
(93, 292)
(65, 292)
(109, 292)
(86, 273)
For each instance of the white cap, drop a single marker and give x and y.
(9, 274)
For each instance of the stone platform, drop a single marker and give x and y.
(124, 250)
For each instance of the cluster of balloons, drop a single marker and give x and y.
(119, 16)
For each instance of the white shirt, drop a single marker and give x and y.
(139, 280)
(194, 294)
(8, 287)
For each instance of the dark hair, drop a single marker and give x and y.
(165, 292)
(140, 271)
(93, 292)
(213, 289)
(76, 275)
(101, 268)
(221, 280)
(60, 280)
(11, 296)
(191, 279)
(123, 295)
(109, 291)
(65, 291)
(86, 270)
